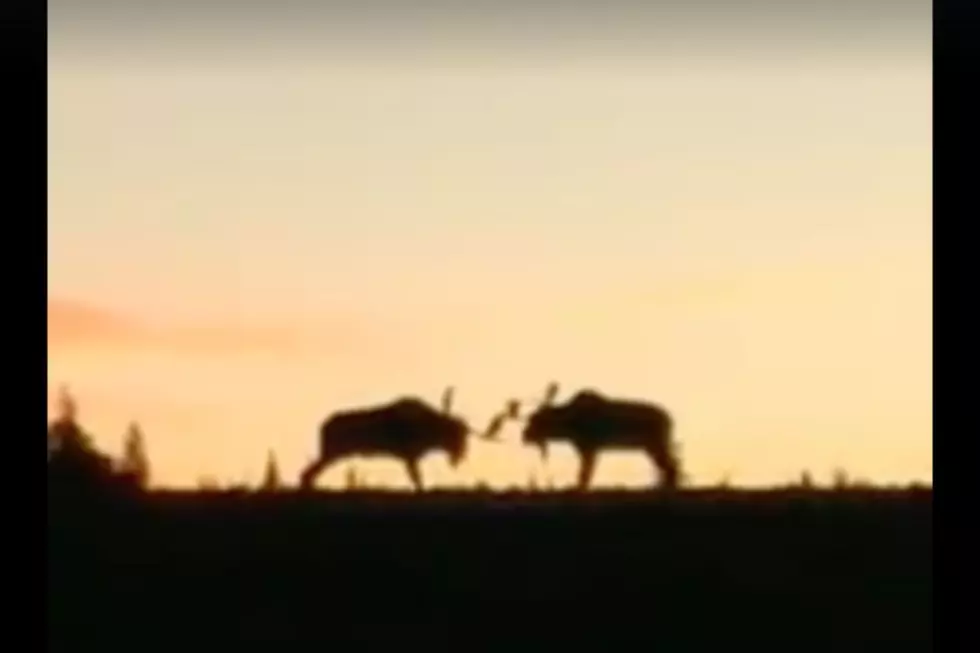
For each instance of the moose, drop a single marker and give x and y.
(407, 428)
(592, 422)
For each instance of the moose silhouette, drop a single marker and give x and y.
(407, 429)
(592, 422)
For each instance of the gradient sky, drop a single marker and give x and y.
(250, 227)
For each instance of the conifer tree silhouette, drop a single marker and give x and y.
(271, 481)
(65, 435)
(74, 462)
(135, 462)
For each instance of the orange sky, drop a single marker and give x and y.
(752, 362)
(77, 324)
(244, 237)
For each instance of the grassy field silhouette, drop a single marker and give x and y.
(697, 570)
(673, 568)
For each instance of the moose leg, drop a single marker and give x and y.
(312, 471)
(586, 468)
(668, 469)
(414, 473)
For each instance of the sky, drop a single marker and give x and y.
(256, 218)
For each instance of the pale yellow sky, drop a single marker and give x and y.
(237, 248)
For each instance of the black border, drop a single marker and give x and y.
(955, 118)
(25, 182)
(955, 153)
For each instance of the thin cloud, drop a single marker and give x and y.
(74, 324)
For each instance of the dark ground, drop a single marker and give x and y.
(700, 571)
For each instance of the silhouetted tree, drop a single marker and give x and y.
(271, 481)
(67, 408)
(75, 466)
(64, 432)
(841, 479)
(806, 480)
(135, 462)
